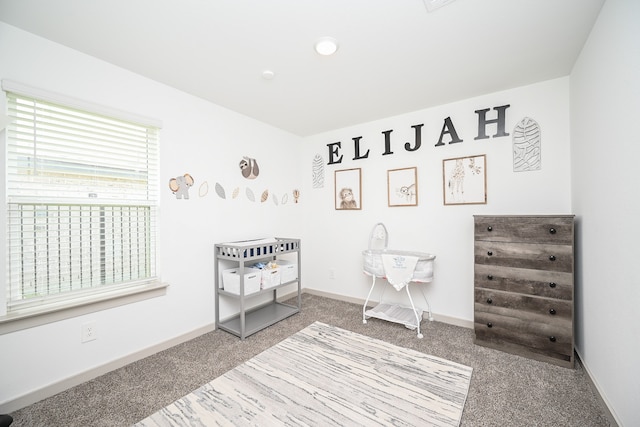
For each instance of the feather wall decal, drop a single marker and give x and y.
(235, 193)
(285, 198)
(250, 195)
(265, 196)
(204, 189)
(220, 191)
(275, 199)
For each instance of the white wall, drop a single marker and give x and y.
(208, 141)
(605, 148)
(338, 237)
(199, 138)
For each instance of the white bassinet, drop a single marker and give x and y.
(373, 265)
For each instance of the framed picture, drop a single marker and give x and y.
(348, 189)
(464, 180)
(402, 187)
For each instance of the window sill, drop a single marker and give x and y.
(37, 316)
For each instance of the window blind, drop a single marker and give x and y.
(81, 201)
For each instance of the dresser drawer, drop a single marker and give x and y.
(550, 284)
(539, 229)
(525, 338)
(525, 255)
(527, 308)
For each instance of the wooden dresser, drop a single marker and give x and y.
(524, 286)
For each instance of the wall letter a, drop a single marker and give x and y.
(448, 128)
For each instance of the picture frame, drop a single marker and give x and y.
(464, 180)
(348, 189)
(402, 187)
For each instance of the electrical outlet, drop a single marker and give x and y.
(88, 332)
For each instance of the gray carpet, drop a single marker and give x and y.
(505, 390)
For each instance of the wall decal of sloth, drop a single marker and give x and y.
(180, 186)
(408, 192)
(249, 167)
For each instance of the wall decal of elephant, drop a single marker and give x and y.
(180, 185)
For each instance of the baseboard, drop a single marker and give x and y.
(50, 390)
(439, 317)
(611, 417)
(453, 321)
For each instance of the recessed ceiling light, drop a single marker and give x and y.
(326, 46)
(435, 4)
(268, 74)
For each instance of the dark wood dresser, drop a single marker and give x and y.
(524, 286)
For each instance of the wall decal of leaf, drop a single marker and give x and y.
(317, 171)
(204, 189)
(250, 195)
(220, 191)
(527, 143)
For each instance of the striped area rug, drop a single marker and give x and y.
(327, 376)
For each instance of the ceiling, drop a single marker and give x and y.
(394, 56)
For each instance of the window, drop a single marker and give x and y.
(81, 203)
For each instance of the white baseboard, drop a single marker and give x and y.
(439, 317)
(50, 390)
(613, 420)
(33, 397)
(62, 385)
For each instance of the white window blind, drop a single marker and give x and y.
(81, 202)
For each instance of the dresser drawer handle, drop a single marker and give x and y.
(552, 284)
(552, 338)
(489, 301)
(552, 258)
(552, 230)
(490, 253)
(489, 325)
(490, 277)
(489, 228)
(552, 311)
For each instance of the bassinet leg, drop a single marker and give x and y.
(418, 319)
(364, 307)
(428, 305)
